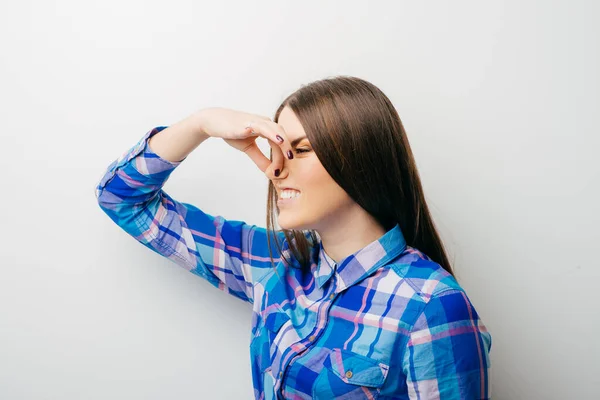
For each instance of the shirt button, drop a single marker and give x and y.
(311, 337)
(348, 374)
(280, 374)
(332, 295)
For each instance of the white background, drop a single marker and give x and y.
(500, 101)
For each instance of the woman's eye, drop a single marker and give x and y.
(302, 150)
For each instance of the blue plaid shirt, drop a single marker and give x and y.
(384, 323)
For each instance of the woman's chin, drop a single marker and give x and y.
(289, 223)
(286, 225)
(296, 225)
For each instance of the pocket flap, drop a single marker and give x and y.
(357, 369)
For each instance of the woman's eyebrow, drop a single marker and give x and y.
(295, 142)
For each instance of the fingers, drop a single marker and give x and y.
(274, 133)
(257, 156)
(274, 170)
(271, 168)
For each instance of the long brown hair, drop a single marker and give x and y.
(359, 139)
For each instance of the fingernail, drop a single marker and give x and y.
(277, 172)
(279, 138)
(290, 155)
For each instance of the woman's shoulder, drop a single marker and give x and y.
(426, 277)
(434, 295)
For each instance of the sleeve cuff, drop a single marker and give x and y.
(145, 161)
(142, 147)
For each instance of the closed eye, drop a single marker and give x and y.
(302, 150)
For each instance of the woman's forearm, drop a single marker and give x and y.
(175, 142)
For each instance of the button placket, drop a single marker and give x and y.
(311, 338)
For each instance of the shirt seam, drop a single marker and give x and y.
(412, 327)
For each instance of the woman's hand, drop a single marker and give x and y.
(240, 130)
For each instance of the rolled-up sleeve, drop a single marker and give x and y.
(231, 255)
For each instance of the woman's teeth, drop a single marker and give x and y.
(289, 194)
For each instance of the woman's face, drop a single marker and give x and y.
(321, 201)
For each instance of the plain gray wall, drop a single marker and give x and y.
(500, 101)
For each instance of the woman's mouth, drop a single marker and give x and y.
(288, 196)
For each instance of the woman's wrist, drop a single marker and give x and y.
(200, 118)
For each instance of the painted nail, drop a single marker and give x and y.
(290, 155)
(279, 138)
(277, 172)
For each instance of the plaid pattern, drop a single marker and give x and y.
(384, 323)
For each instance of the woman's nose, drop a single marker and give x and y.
(281, 172)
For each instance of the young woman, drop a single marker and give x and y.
(354, 297)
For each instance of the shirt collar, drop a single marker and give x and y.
(362, 263)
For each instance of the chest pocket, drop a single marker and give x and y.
(348, 375)
(262, 345)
